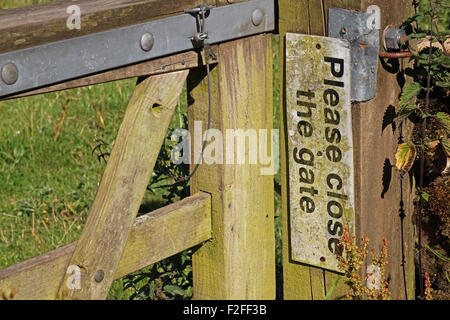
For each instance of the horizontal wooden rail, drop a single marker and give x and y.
(30, 26)
(154, 236)
(177, 62)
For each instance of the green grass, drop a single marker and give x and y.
(50, 170)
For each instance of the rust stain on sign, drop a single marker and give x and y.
(321, 195)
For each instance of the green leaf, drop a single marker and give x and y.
(416, 36)
(410, 91)
(332, 288)
(175, 290)
(437, 254)
(444, 121)
(405, 156)
(425, 196)
(446, 144)
(405, 111)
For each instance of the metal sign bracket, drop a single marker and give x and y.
(362, 30)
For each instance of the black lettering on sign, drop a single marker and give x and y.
(300, 157)
(305, 128)
(307, 204)
(332, 116)
(336, 62)
(333, 152)
(334, 177)
(331, 97)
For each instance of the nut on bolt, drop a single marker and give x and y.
(393, 38)
(9, 73)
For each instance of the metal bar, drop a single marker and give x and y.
(61, 61)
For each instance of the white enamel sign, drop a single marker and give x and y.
(320, 146)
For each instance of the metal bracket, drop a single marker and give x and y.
(61, 61)
(362, 30)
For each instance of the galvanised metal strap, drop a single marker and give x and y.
(60, 61)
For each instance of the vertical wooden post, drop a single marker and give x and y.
(377, 217)
(239, 261)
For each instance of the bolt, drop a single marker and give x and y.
(319, 153)
(343, 31)
(9, 73)
(322, 259)
(99, 275)
(318, 46)
(147, 41)
(393, 38)
(257, 17)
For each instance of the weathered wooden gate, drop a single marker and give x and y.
(231, 205)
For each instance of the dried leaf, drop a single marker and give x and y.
(405, 156)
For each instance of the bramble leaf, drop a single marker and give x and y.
(405, 156)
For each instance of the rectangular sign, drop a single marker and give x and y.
(320, 146)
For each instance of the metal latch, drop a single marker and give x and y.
(362, 30)
(200, 39)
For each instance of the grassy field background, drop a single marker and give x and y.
(50, 169)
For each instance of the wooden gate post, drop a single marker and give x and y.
(377, 213)
(239, 261)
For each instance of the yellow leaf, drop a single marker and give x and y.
(405, 156)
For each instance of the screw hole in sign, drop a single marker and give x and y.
(374, 21)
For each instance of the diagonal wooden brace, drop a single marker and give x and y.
(123, 185)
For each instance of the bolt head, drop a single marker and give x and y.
(257, 17)
(147, 41)
(99, 275)
(9, 73)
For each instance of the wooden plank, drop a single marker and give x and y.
(317, 283)
(239, 262)
(293, 17)
(34, 25)
(376, 217)
(380, 211)
(180, 61)
(123, 184)
(154, 236)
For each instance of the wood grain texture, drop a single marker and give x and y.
(376, 217)
(380, 212)
(123, 184)
(34, 25)
(293, 17)
(239, 262)
(153, 237)
(176, 62)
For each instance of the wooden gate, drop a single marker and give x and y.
(230, 212)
